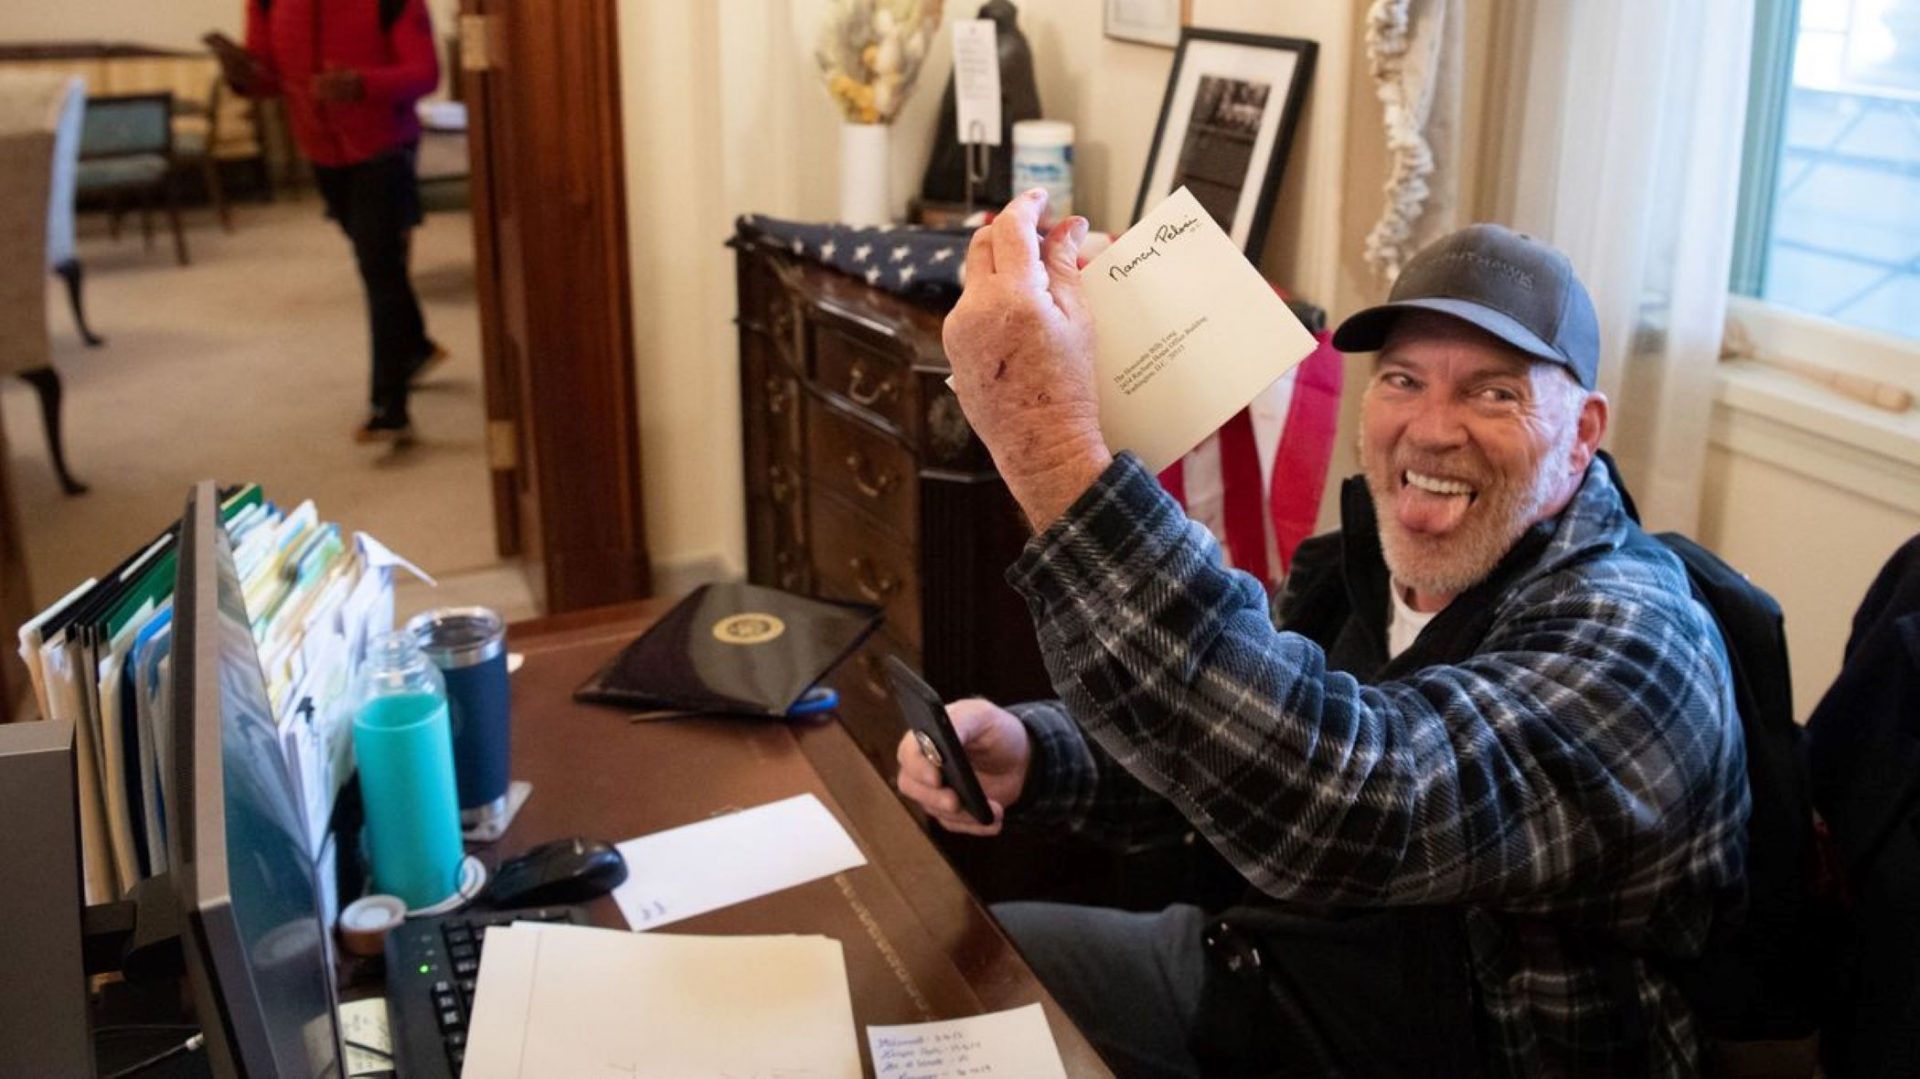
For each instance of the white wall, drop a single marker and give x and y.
(1814, 543)
(173, 24)
(724, 114)
(169, 23)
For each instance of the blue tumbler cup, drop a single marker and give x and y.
(469, 645)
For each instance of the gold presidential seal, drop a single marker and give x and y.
(749, 628)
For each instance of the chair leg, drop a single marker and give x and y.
(146, 219)
(217, 192)
(69, 271)
(46, 382)
(113, 216)
(173, 217)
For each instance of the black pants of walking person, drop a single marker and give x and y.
(377, 204)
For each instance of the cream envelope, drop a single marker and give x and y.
(1187, 332)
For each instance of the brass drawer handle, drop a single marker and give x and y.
(791, 566)
(874, 486)
(780, 482)
(857, 378)
(779, 394)
(873, 584)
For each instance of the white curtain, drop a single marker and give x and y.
(1613, 131)
(1414, 58)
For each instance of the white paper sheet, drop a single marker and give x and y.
(1013, 1044)
(1189, 332)
(565, 1000)
(714, 863)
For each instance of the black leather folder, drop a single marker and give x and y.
(732, 649)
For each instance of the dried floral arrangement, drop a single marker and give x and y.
(871, 50)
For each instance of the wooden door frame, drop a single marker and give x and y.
(549, 111)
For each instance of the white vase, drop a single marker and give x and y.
(864, 181)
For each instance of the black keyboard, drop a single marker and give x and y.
(432, 964)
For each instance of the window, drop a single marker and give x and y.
(1830, 198)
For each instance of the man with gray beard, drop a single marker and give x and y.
(1481, 768)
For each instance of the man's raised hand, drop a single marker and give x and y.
(1021, 344)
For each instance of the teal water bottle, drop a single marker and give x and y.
(403, 742)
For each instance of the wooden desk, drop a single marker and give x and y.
(918, 946)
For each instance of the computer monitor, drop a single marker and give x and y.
(255, 944)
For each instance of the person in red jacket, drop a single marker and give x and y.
(350, 72)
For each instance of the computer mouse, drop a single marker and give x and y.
(563, 871)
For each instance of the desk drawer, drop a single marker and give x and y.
(869, 469)
(867, 708)
(863, 377)
(853, 560)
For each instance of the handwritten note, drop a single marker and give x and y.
(731, 858)
(1012, 1044)
(363, 1026)
(1188, 332)
(976, 80)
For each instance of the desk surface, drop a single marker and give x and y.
(918, 946)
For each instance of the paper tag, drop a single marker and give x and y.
(976, 80)
(1188, 332)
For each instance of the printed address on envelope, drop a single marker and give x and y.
(1187, 332)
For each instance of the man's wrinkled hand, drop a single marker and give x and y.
(1021, 344)
(338, 85)
(997, 746)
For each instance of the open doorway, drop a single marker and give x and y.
(238, 347)
(528, 440)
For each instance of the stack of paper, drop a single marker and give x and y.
(101, 658)
(569, 1000)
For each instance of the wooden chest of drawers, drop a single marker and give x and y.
(865, 483)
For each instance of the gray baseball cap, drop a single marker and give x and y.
(1506, 283)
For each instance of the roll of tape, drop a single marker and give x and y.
(364, 924)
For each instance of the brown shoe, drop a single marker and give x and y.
(427, 363)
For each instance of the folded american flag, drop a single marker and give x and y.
(1256, 483)
(920, 263)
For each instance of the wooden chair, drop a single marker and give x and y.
(230, 132)
(126, 148)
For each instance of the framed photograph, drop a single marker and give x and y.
(1150, 22)
(1225, 125)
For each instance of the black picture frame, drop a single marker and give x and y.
(1252, 88)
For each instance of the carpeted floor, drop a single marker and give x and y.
(251, 364)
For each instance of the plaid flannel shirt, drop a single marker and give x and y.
(1578, 785)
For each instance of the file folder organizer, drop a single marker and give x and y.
(100, 658)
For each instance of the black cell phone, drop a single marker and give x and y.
(927, 719)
